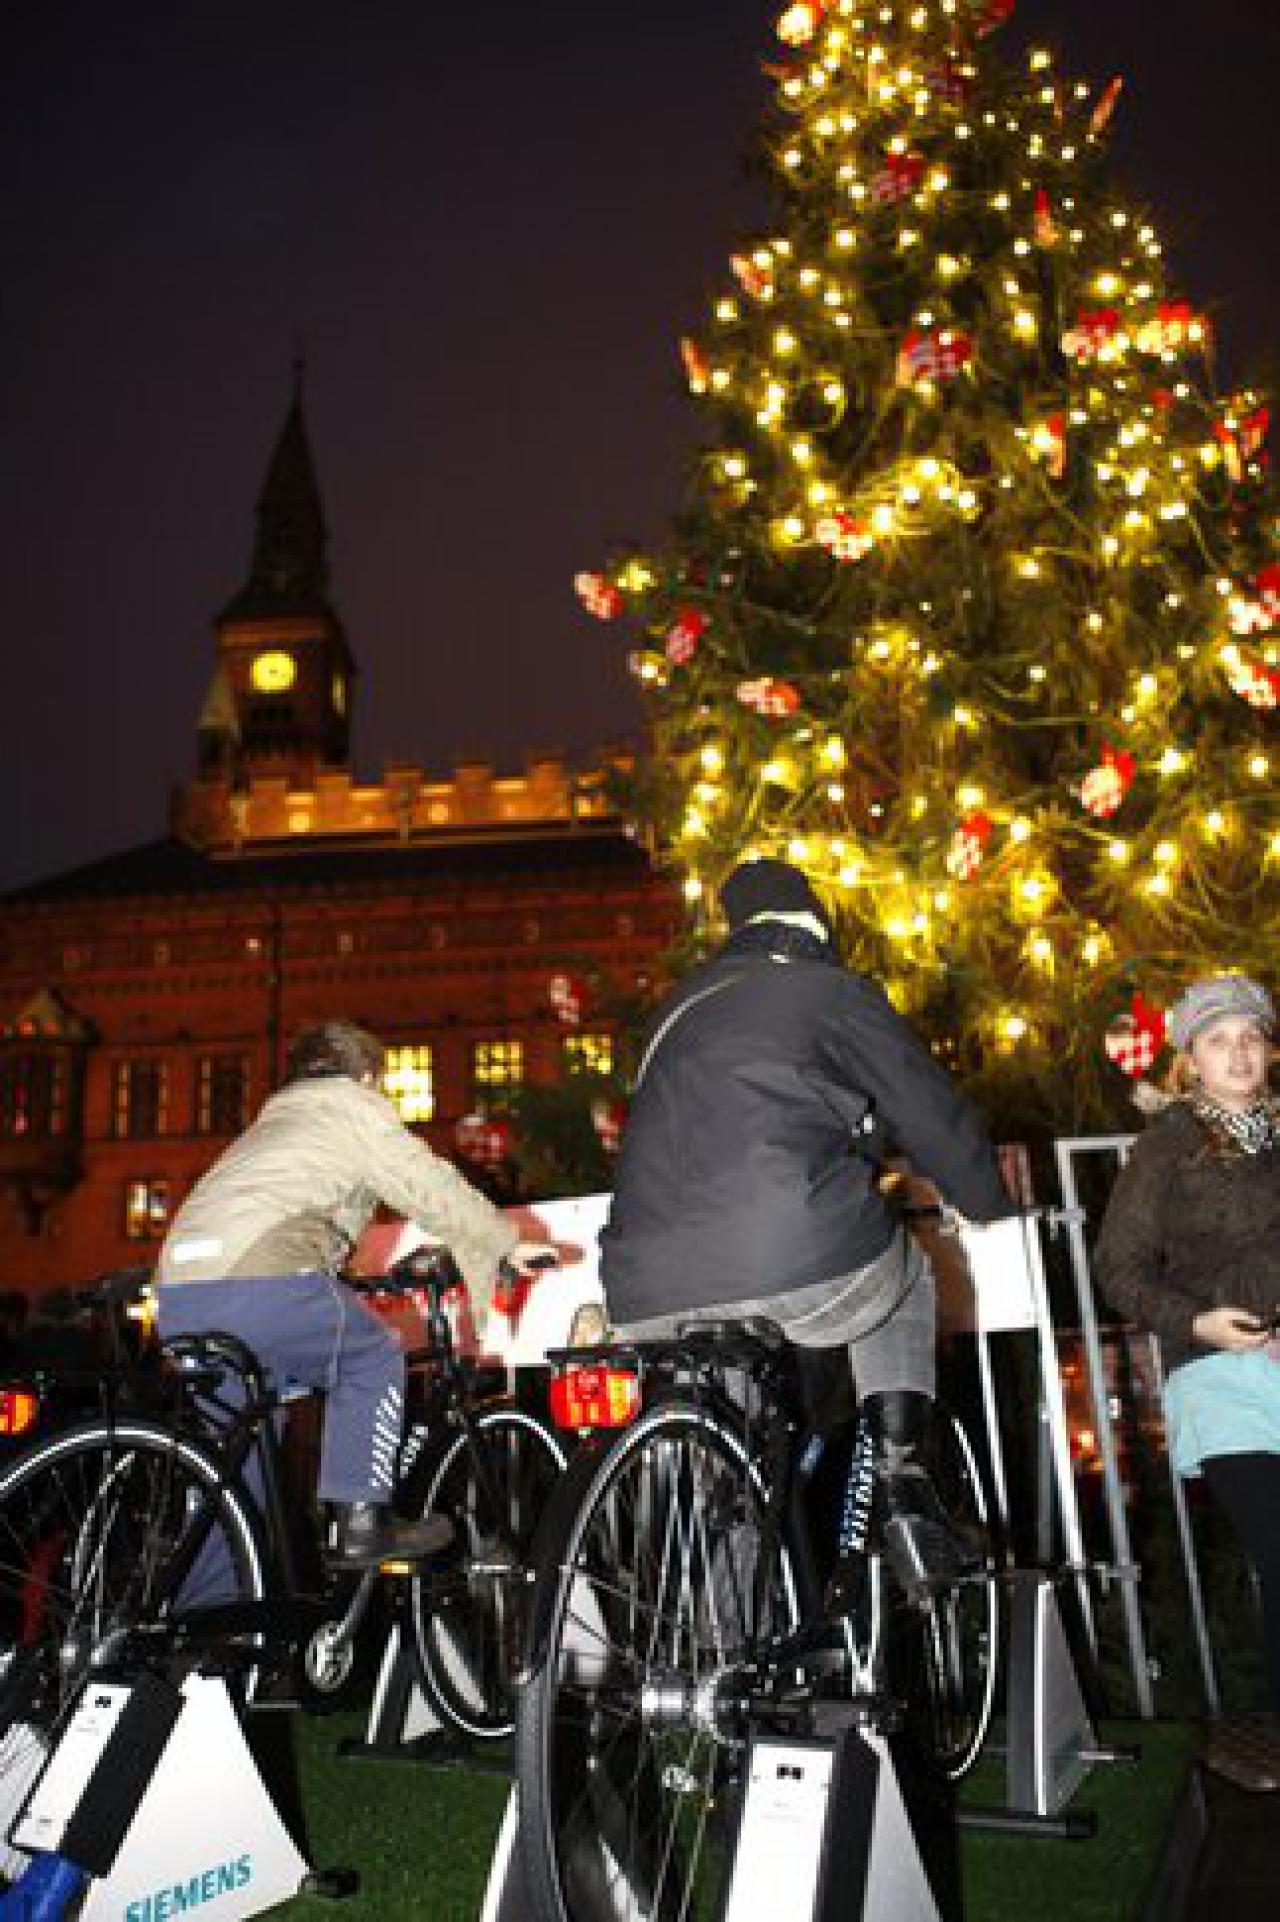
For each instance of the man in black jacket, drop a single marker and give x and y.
(747, 1182)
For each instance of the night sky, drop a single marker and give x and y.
(489, 225)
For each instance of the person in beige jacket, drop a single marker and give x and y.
(256, 1249)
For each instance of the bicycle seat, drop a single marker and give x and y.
(210, 1357)
(434, 1269)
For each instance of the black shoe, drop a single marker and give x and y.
(366, 1534)
(924, 1545)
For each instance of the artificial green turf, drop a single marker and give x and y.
(421, 1839)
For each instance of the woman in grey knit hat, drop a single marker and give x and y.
(1190, 1250)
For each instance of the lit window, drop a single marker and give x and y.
(146, 1208)
(141, 1106)
(497, 1064)
(588, 1053)
(220, 1094)
(33, 1096)
(409, 1080)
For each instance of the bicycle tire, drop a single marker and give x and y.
(465, 1615)
(943, 1652)
(88, 1519)
(658, 1588)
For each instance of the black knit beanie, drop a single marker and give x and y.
(767, 886)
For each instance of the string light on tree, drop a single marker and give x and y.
(974, 597)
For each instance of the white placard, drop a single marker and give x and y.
(775, 1872)
(55, 1801)
(206, 1833)
(1003, 1258)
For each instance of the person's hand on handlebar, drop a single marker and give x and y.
(527, 1259)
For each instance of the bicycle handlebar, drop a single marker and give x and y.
(121, 1288)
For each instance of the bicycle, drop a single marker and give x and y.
(158, 1534)
(678, 1610)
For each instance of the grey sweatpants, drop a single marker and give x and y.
(885, 1314)
(313, 1332)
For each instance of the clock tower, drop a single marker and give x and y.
(281, 696)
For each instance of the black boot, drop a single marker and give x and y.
(924, 1545)
(366, 1534)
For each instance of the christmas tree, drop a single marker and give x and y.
(973, 610)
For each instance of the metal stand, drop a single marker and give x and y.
(403, 1727)
(834, 1828)
(161, 1804)
(1051, 1744)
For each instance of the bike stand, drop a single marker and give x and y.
(835, 1827)
(153, 1793)
(403, 1727)
(1051, 1744)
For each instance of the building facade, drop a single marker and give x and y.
(147, 1000)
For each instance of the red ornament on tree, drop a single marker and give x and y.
(1134, 1039)
(568, 995)
(968, 845)
(898, 179)
(1176, 325)
(1049, 440)
(752, 279)
(609, 1118)
(485, 1139)
(993, 16)
(1266, 583)
(1045, 231)
(1241, 441)
(845, 537)
(933, 354)
(682, 640)
(598, 595)
(799, 23)
(1095, 328)
(950, 82)
(1105, 786)
(1108, 100)
(696, 370)
(1254, 682)
(776, 699)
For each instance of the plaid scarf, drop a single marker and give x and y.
(1249, 1133)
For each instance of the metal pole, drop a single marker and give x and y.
(995, 1449)
(1123, 1566)
(1060, 1443)
(1190, 1560)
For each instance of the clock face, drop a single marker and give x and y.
(273, 672)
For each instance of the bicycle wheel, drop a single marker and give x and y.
(942, 1655)
(630, 1747)
(465, 1616)
(89, 1522)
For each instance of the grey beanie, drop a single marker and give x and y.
(1219, 997)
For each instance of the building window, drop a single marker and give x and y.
(221, 1093)
(33, 1096)
(146, 1208)
(409, 1080)
(141, 1107)
(497, 1065)
(588, 1053)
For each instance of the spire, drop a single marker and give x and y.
(289, 572)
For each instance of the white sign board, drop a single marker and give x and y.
(1003, 1258)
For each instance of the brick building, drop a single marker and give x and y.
(146, 1000)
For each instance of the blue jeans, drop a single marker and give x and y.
(312, 1331)
(885, 1314)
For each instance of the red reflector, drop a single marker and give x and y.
(18, 1410)
(594, 1397)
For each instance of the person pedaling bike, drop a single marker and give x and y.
(748, 1182)
(257, 1247)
